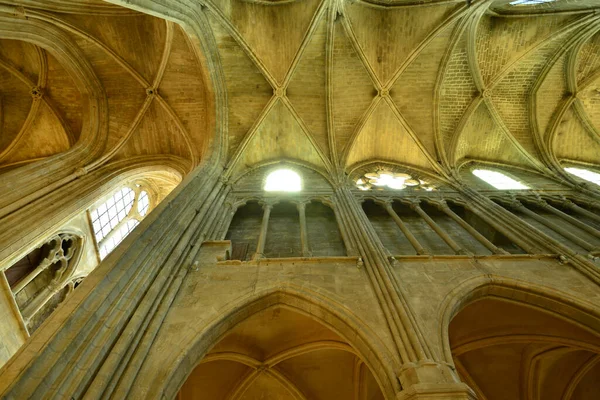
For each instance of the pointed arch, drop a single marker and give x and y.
(325, 311)
(564, 306)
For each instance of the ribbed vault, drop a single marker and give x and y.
(285, 354)
(159, 102)
(332, 84)
(506, 349)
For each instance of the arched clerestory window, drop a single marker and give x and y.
(585, 174)
(115, 218)
(499, 180)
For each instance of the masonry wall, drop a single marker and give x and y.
(283, 234)
(324, 238)
(244, 229)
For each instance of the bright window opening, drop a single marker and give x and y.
(585, 174)
(116, 217)
(498, 180)
(529, 2)
(143, 203)
(283, 180)
(382, 179)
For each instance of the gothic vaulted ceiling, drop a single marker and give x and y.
(158, 104)
(331, 84)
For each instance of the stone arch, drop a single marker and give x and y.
(560, 304)
(254, 178)
(325, 311)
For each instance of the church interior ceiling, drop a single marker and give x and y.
(329, 84)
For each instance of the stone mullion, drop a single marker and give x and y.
(38, 302)
(407, 233)
(516, 239)
(262, 238)
(93, 327)
(579, 262)
(438, 229)
(31, 276)
(443, 206)
(151, 324)
(580, 210)
(568, 218)
(544, 221)
(409, 346)
(111, 370)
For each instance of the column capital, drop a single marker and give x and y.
(538, 201)
(429, 379)
(511, 202)
(385, 202)
(440, 204)
(413, 203)
(267, 205)
(301, 205)
(565, 202)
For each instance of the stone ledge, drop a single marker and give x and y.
(295, 260)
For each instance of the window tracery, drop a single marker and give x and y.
(114, 219)
(383, 178)
(499, 180)
(40, 276)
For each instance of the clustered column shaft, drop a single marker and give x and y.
(405, 331)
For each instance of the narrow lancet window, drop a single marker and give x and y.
(499, 180)
(585, 174)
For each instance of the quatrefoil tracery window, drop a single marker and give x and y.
(114, 219)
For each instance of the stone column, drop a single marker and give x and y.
(438, 229)
(231, 210)
(421, 378)
(442, 205)
(303, 233)
(580, 210)
(262, 237)
(517, 205)
(573, 221)
(493, 222)
(40, 299)
(103, 332)
(411, 238)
